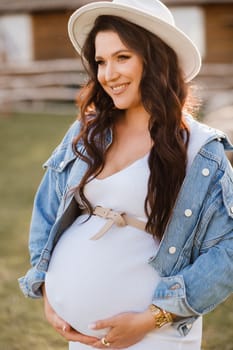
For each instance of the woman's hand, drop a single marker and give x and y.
(62, 327)
(126, 329)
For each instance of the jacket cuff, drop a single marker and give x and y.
(170, 295)
(30, 284)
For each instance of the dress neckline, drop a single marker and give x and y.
(123, 169)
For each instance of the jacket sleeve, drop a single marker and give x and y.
(45, 208)
(208, 279)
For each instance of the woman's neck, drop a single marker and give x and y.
(135, 119)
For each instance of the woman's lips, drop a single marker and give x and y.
(118, 89)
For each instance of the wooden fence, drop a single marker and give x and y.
(215, 84)
(59, 80)
(45, 81)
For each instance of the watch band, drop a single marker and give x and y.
(161, 316)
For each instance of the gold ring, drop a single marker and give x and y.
(105, 342)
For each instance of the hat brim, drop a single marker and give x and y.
(82, 21)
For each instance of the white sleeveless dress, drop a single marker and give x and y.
(90, 280)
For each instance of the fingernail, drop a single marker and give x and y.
(64, 328)
(92, 326)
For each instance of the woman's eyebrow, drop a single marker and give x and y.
(115, 53)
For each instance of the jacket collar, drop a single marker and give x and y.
(200, 135)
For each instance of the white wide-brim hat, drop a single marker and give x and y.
(149, 14)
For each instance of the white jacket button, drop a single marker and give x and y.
(188, 213)
(205, 172)
(61, 164)
(172, 250)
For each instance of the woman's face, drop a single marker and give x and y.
(119, 70)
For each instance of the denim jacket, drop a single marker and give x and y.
(195, 256)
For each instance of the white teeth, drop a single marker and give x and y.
(119, 87)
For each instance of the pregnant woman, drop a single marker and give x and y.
(131, 237)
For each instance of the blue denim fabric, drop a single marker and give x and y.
(195, 257)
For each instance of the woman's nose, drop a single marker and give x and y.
(111, 72)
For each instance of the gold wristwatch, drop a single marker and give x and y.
(161, 317)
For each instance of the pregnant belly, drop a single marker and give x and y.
(92, 280)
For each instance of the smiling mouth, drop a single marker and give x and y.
(119, 88)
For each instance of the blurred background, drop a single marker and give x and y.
(40, 75)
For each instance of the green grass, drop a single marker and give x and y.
(26, 141)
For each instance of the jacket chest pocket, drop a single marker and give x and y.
(60, 164)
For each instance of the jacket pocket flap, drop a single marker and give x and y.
(60, 158)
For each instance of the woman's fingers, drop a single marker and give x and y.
(71, 334)
(125, 329)
(62, 327)
(108, 322)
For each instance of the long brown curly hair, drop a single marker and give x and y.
(163, 93)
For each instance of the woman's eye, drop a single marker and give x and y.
(99, 62)
(123, 57)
